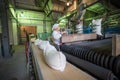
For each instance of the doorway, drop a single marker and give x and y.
(28, 29)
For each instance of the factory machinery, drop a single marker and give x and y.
(94, 57)
(90, 55)
(39, 70)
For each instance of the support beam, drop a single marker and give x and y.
(25, 8)
(46, 3)
(91, 4)
(5, 29)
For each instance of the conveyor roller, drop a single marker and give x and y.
(94, 56)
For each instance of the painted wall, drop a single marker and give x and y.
(32, 18)
(48, 27)
(27, 18)
(40, 28)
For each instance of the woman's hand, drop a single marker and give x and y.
(64, 32)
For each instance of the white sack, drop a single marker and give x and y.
(55, 59)
(49, 47)
(79, 27)
(97, 26)
(37, 42)
(43, 45)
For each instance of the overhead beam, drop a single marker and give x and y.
(45, 4)
(19, 5)
(25, 8)
(91, 4)
(49, 13)
(57, 11)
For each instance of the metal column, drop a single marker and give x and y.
(5, 30)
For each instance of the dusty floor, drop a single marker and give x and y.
(14, 68)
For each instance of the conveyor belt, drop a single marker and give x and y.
(47, 73)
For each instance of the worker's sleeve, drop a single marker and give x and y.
(57, 36)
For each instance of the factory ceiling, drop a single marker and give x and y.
(39, 5)
(59, 7)
(27, 5)
(56, 8)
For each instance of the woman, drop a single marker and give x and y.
(57, 35)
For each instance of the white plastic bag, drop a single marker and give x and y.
(97, 26)
(49, 47)
(79, 27)
(43, 45)
(55, 59)
(37, 42)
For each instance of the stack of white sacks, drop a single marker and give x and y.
(55, 59)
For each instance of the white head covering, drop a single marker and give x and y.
(55, 26)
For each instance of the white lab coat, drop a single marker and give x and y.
(56, 37)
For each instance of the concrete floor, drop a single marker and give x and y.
(14, 68)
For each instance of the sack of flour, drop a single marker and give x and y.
(55, 59)
(97, 26)
(37, 42)
(41, 44)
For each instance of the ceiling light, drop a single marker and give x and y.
(22, 14)
(68, 3)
